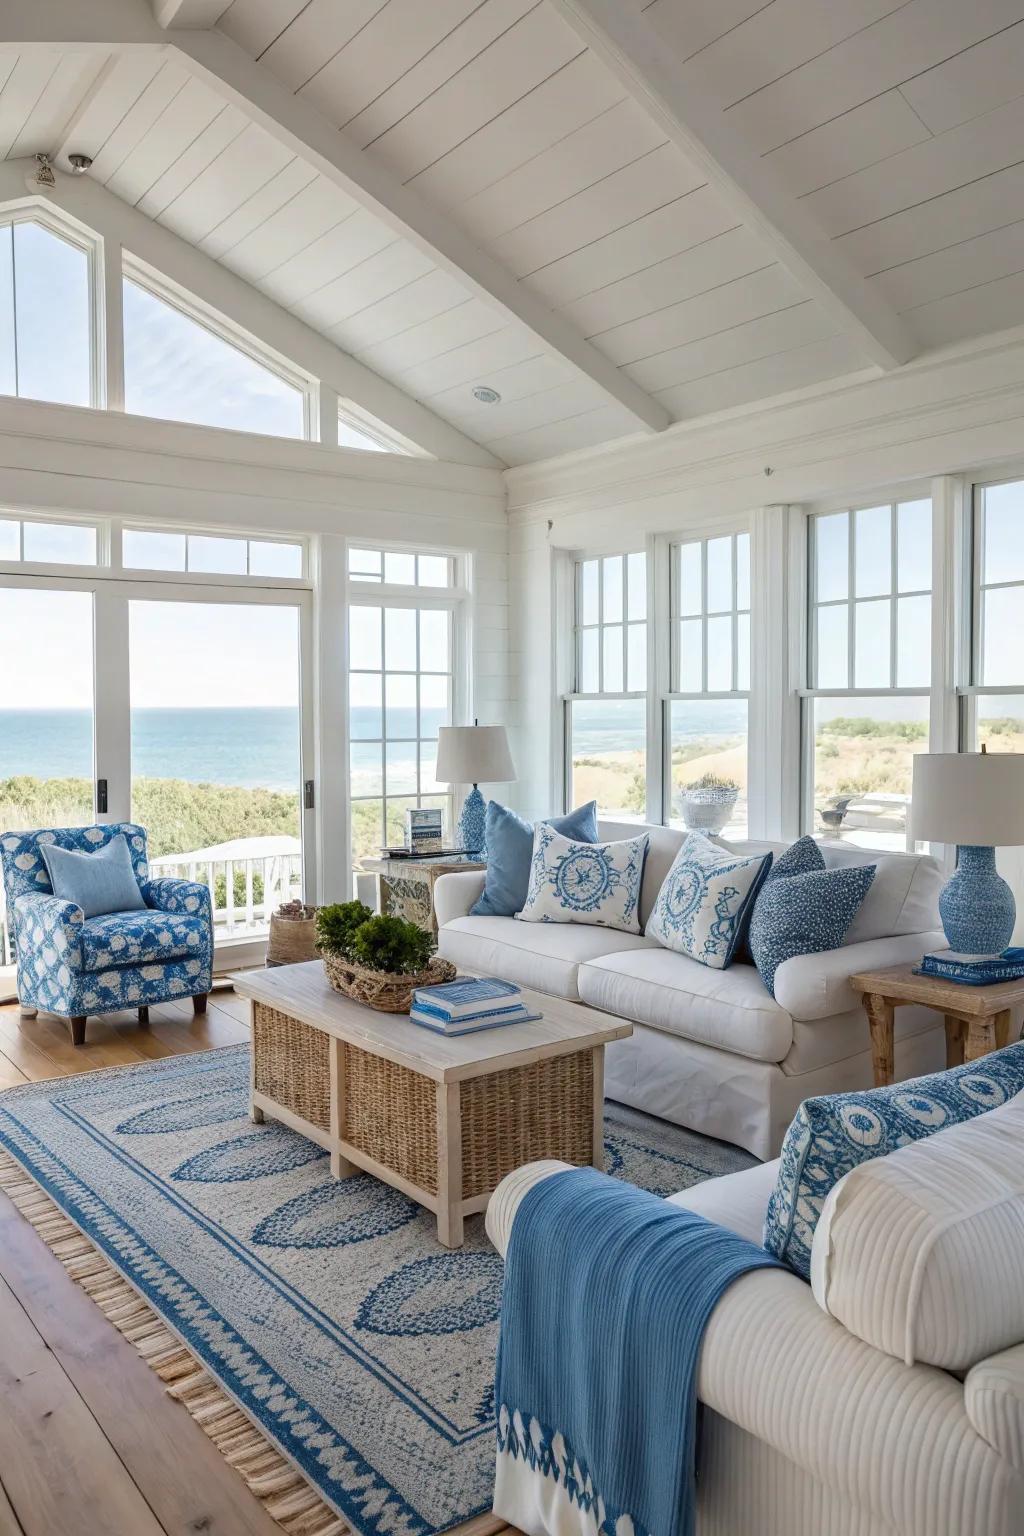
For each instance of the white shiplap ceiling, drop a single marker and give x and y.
(899, 127)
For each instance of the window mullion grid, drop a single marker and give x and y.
(704, 614)
(893, 596)
(600, 626)
(851, 599)
(735, 614)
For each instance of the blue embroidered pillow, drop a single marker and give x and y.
(596, 883)
(805, 914)
(706, 900)
(834, 1133)
(509, 843)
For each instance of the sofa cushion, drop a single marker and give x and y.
(510, 852)
(834, 1133)
(729, 1009)
(593, 883)
(704, 905)
(131, 938)
(736, 1200)
(904, 895)
(545, 956)
(921, 1253)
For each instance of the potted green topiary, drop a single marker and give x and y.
(379, 961)
(707, 803)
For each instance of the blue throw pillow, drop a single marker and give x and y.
(99, 882)
(510, 854)
(834, 1133)
(706, 900)
(805, 914)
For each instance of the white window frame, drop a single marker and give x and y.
(195, 309)
(205, 578)
(970, 687)
(891, 497)
(672, 693)
(386, 438)
(457, 601)
(34, 211)
(574, 693)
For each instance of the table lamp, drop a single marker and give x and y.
(976, 800)
(473, 754)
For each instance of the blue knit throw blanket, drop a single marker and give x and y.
(607, 1293)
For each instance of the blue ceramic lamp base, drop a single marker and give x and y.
(977, 906)
(473, 823)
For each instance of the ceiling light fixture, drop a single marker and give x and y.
(80, 163)
(485, 394)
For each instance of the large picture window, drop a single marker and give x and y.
(607, 710)
(869, 666)
(706, 723)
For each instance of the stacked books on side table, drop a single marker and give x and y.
(470, 1003)
(974, 970)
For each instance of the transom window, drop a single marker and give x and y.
(44, 543)
(996, 695)
(607, 712)
(46, 350)
(166, 549)
(869, 667)
(353, 432)
(178, 368)
(400, 568)
(706, 728)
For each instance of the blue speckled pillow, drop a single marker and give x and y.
(832, 1134)
(805, 914)
(799, 859)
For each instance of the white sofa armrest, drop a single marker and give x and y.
(503, 1204)
(455, 894)
(818, 986)
(994, 1395)
(890, 1438)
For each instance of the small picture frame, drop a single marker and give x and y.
(424, 829)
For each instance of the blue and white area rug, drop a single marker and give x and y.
(325, 1308)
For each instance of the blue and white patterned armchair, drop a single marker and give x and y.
(74, 966)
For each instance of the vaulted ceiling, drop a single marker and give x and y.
(617, 215)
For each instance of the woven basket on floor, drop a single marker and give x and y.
(383, 990)
(292, 940)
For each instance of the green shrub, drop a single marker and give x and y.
(336, 924)
(711, 781)
(392, 944)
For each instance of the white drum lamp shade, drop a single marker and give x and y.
(975, 800)
(474, 754)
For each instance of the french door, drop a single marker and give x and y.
(184, 707)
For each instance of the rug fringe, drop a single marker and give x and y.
(285, 1494)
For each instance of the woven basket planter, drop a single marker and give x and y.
(383, 990)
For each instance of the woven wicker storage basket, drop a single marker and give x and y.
(383, 990)
(292, 940)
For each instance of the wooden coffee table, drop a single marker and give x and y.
(442, 1120)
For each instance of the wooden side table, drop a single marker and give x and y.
(405, 887)
(978, 1019)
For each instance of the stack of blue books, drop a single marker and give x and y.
(471, 1003)
(974, 970)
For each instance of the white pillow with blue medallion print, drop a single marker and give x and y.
(596, 883)
(706, 900)
(836, 1132)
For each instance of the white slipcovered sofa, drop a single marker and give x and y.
(891, 1405)
(712, 1050)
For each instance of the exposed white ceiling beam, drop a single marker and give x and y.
(627, 41)
(189, 13)
(254, 89)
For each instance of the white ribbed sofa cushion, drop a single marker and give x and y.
(921, 1252)
(994, 1399)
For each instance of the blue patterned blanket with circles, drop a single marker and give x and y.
(326, 1308)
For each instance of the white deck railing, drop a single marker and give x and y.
(265, 880)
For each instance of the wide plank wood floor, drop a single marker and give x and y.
(90, 1443)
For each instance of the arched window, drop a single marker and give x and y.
(45, 315)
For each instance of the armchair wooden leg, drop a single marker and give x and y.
(77, 1031)
(143, 1015)
(199, 1004)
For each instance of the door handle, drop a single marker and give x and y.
(101, 797)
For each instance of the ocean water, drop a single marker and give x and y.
(260, 747)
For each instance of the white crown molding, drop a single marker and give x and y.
(958, 410)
